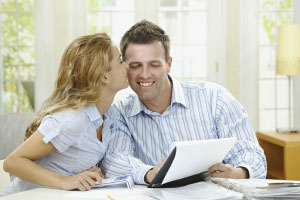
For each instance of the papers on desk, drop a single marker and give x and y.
(262, 188)
(126, 180)
(115, 191)
(201, 190)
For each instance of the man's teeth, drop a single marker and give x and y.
(146, 84)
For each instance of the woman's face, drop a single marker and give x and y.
(118, 78)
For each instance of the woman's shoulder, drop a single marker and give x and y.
(67, 117)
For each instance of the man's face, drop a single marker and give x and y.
(148, 70)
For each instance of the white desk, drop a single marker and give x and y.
(201, 190)
(98, 193)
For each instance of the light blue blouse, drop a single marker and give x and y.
(73, 134)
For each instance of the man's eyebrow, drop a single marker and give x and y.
(155, 61)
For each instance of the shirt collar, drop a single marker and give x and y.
(177, 93)
(177, 98)
(93, 114)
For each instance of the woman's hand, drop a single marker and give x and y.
(98, 170)
(83, 181)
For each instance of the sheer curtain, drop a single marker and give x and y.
(296, 80)
(57, 23)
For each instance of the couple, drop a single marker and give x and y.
(76, 127)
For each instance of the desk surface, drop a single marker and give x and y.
(98, 193)
(204, 190)
(282, 139)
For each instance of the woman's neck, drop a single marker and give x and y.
(105, 102)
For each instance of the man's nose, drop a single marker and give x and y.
(145, 72)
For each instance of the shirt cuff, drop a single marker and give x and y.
(250, 172)
(139, 177)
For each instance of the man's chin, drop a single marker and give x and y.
(144, 97)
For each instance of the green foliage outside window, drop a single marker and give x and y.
(17, 53)
(269, 21)
(94, 17)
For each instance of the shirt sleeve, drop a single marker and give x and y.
(119, 158)
(62, 133)
(232, 121)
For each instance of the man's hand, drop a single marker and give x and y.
(228, 171)
(152, 172)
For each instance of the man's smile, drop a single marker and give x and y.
(146, 84)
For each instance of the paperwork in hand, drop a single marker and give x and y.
(195, 157)
(127, 180)
(262, 188)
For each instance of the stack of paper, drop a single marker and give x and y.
(262, 188)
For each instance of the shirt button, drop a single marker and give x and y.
(57, 130)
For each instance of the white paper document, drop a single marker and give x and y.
(201, 190)
(126, 180)
(115, 191)
(193, 157)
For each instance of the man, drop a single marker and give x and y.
(164, 110)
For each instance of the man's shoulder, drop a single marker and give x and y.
(200, 85)
(124, 105)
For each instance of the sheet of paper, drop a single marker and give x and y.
(201, 190)
(112, 190)
(193, 157)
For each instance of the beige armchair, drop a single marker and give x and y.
(12, 131)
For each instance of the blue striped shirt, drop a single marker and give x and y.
(140, 138)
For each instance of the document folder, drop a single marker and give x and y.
(189, 160)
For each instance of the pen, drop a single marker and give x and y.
(110, 198)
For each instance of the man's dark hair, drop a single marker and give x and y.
(145, 32)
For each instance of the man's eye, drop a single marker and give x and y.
(155, 65)
(134, 66)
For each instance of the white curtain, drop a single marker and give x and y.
(248, 78)
(296, 79)
(57, 23)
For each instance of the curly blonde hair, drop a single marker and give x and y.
(78, 82)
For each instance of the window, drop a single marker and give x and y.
(111, 16)
(188, 47)
(273, 89)
(17, 62)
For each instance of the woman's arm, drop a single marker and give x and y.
(20, 163)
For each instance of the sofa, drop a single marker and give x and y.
(12, 129)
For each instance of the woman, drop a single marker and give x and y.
(64, 140)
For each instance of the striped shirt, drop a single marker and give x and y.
(140, 138)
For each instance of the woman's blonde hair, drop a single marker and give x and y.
(79, 76)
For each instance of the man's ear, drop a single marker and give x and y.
(105, 78)
(169, 63)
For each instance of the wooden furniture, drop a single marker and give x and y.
(282, 152)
